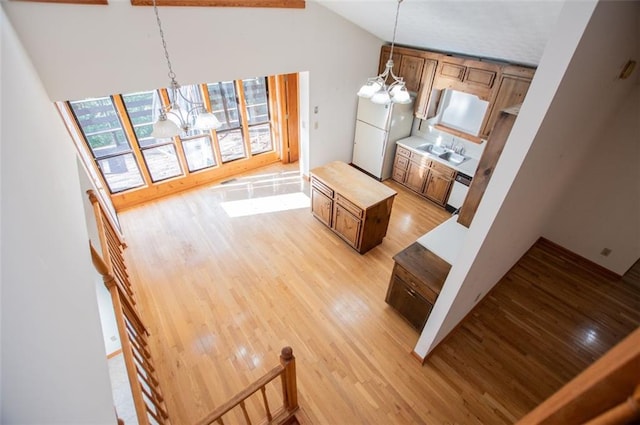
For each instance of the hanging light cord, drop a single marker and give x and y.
(171, 74)
(395, 28)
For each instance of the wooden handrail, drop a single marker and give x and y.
(286, 370)
(145, 389)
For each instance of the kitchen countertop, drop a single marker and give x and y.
(355, 185)
(445, 240)
(468, 167)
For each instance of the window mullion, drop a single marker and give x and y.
(177, 142)
(244, 118)
(213, 134)
(133, 140)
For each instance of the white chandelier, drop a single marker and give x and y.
(195, 116)
(377, 88)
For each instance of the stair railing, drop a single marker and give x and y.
(145, 388)
(287, 372)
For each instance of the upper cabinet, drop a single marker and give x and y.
(430, 74)
(407, 63)
(512, 88)
(467, 75)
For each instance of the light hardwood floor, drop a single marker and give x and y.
(222, 295)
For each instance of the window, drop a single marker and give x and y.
(115, 132)
(160, 155)
(255, 94)
(105, 137)
(224, 105)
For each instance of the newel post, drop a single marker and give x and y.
(289, 385)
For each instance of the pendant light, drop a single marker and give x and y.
(196, 111)
(377, 88)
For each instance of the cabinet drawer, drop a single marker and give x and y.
(322, 187)
(403, 151)
(401, 162)
(349, 206)
(443, 169)
(398, 175)
(415, 284)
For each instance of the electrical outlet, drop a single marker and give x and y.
(605, 252)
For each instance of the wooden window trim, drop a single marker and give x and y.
(282, 4)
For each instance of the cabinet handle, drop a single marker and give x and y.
(411, 292)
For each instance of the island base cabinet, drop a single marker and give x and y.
(321, 206)
(410, 304)
(356, 207)
(347, 226)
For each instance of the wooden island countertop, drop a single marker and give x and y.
(359, 188)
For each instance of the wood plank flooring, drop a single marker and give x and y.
(222, 295)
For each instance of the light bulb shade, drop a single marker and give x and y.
(164, 129)
(381, 97)
(206, 121)
(369, 89)
(399, 94)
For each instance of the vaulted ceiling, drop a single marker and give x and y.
(514, 31)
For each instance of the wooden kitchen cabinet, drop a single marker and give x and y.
(513, 87)
(356, 207)
(467, 75)
(417, 175)
(416, 281)
(321, 205)
(428, 73)
(423, 105)
(405, 65)
(424, 176)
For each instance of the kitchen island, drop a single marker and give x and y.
(355, 206)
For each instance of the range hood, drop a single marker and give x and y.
(461, 112)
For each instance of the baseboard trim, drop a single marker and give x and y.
(579, 260)
(418, 357)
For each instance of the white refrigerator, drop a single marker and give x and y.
(378, 127)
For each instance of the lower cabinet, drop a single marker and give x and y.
(355, 206)
(416, 281)
(321, 205)
(409, 303)
(424, 176)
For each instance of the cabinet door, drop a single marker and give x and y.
(321, 206)
(411, 71)
(347, 226)
(511, 92)
(416, 176)
(413, 307)
(437, 187)
(424, 97)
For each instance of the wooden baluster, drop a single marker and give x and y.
(266, 403)
(244, 412)
(289, 385)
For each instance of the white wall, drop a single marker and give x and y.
(601, 209)
(83, 51)
(546, 149)
(54, 368)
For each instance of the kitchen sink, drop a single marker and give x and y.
(443, 153)
(452, 157)
(433, 149)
